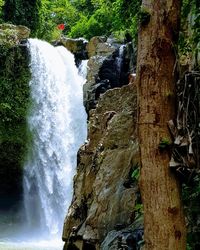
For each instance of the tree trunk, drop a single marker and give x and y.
(164, 224)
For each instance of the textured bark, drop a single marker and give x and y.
(163, 215)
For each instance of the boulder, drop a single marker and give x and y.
(12, 35)
(75, 46)
(98, 45)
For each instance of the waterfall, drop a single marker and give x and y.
(120, 57)
(57, 123)
(83, 68)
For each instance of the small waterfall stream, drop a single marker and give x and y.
(57, 122)
(120, 57)
(83, 69)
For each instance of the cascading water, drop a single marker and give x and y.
(57, 122)
(83, 69)
(120, 57)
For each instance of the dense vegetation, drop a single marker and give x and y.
(22, 12)
(189, 41)
(88, 18)
(14, 96)
(85, 18)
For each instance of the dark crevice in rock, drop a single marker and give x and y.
(109, 67)
(88, 246)
(81, 211)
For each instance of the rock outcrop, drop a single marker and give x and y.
(76, 46)
(102, 200)
(105, 193)
(11, 35)
(109, 66)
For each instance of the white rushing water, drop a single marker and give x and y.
(83, 68)
(120, 57)
(57, 122)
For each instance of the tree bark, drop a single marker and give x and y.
(164, 223)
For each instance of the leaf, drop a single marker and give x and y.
(5, 106)
(136, 173)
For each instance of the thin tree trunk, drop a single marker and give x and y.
(164, 224)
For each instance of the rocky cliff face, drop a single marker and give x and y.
(109, 65)
(102, 202)
(104, 191)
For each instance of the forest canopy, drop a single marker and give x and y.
(82, 18)
(88, 18)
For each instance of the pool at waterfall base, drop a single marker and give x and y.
(43, 245)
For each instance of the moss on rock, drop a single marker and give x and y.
(14, 104)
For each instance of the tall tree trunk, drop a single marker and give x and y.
(164, 224)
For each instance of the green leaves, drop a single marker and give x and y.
(87, 18)
(97, 24)
(21, 12)
(164, 143)
(136, 174)
(191, 197)
(189, 37)
(14, 89)
(14, 105)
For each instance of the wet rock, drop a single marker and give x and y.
(98, 45)
(76, 46)
(109, 66)
(104, 164)
(128, 238)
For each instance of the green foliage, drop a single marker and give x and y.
(87, 18)
(54, 13)
(138, 210)
(190, 28)
(86, 7)
(99, 23)
(1, 5)
(14, 104)
(125, 16)
(9, 35)
(136, 174)
(191, 197)
(188, 247)
(22, 12)
(164, 143)
(169, 94)
(106, 17)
